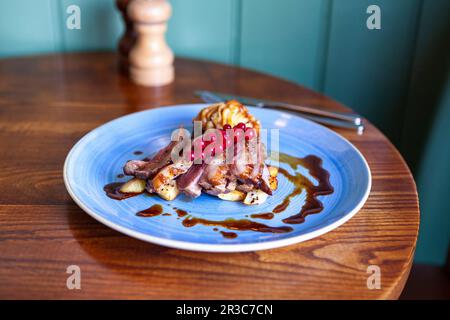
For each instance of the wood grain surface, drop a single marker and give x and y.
(49, 102)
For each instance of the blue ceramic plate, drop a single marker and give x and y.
(98, 158)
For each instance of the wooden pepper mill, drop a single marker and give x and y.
(151, 60)
(128, 39)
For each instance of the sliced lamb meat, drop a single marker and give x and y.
(214, 179)
(231, 183)
(245, 187)
(146, 169)
(149, 186)
(240, 161)
(250, 174)
(245, 164)
(216, 190)
(132, 166)
(188, 182)
(264, 183)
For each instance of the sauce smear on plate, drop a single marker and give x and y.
(180, 213)
(153, 211)
(229, 235)
(232, 224)
(265, 216)
(312, 205)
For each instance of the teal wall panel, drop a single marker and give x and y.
(27, 27)
(426, 134)
(369, 70)
(203, 29)
(101, 25)
(287, 39)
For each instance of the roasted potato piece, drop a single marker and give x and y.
(133, 186)
(164, 182)
(168, 191)
(273, 183)
(273, 180)
(255, 197)
(234, 195)
(273, 171)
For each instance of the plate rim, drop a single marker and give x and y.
(202, 247)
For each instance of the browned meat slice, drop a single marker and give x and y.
(245, 187)
(231, 183)
(188, 182)
(132, 166)
(146, 169)
(149, 186)
(214, 179)
(264, 183)
(246, 164)
(216, 190)
(251, 175)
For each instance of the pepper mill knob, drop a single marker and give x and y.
(151, 60)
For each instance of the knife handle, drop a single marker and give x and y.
(332, 122)
(345, 116)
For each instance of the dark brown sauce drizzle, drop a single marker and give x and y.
(232, 224)
(265, 216)
(229, 235)
(166, 214)
(312, 205)
(153, 211)
(120, 175)
(180, 213)
(137, 153)
(112, 190)
(215, 229)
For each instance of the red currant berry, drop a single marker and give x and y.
(241, 126)
(226, 127)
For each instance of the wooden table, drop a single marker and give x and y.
(49, 102)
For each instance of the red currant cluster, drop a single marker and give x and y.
(228, 140)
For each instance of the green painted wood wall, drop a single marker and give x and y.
(397, 76)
